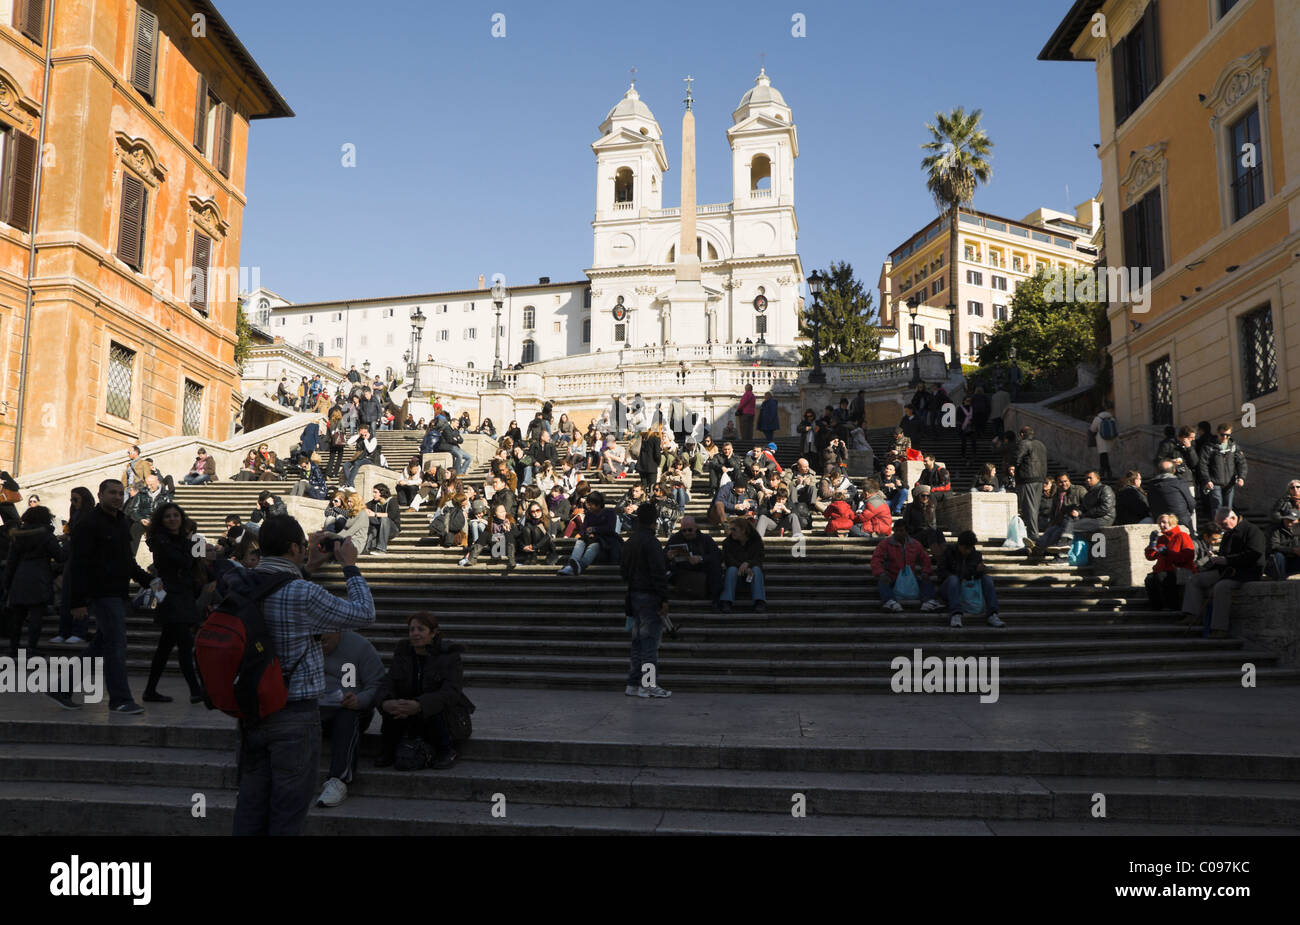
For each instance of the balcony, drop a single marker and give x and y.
(623, 206)
(760, 194)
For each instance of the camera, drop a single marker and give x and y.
(329, 543)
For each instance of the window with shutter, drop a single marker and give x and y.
(18, 182)
(201, 115)
(144, 60)
(227, 116)
(199, 272)
(29, 18)
(130, 234)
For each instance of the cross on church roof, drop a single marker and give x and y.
(689, 80)
(633, 72)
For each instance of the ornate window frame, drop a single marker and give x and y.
(1148, 169)
(1242, 84)
(16, 107)
(1269, 294)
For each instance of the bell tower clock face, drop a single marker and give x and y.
(620, 310)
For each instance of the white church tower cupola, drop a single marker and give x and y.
(764, 145)
(630, 160)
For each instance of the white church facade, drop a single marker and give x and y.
(743, 285)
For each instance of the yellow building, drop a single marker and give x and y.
(123, 138)
(1200, 151)
(993, 255)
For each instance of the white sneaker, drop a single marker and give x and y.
(464, 563)
(892, 606)
(333, 793)
(995, 620)
(955, 622)
(631, 690)
(56, 641)
(74, 641)
(647, 692)
(931, 606)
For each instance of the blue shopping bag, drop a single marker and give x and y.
(1078, 551)
(906, 588)
(972, 596)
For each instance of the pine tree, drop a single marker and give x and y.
(849, 332)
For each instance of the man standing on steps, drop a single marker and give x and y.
(99, 577)
(1031, 469)
(368, 410)
(745, 414)
(645, 570)
(279, 755)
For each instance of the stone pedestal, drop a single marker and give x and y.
(912, 469)
(370, 476)
(861, 464)
(1265, 612)
(986, 513)
(499, 405)
(433, 460)
(307, 511)
(1125, 564)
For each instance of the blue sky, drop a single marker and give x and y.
(473, 152)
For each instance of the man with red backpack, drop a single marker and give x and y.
(279, 753)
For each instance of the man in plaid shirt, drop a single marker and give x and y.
(279, 756)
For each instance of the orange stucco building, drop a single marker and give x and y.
(124, 132)
(1200, 157)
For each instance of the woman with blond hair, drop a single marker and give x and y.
(357, 527)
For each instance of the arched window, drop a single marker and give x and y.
(623, 184)
(530, 352)
(530, 318)
(701, 247)
(586, 330)
(586, 297)
(760, 172)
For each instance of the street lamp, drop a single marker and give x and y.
(365, 368)
(913, 304)
(417, 333)
(816, 282)
(952, 335)
(498, 299)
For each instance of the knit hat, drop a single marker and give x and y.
(1289, 513)
(922, 490)
(478, 506)
(772, 447)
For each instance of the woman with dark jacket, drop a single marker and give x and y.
(647, 461)
(178, 561)
(533, 536)
(742, 560)
(72, 632)
(1131, 505)
(29, 574)
(422, 695)
(514, 433)
(386, 519)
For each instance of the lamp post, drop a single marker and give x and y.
(417, 333)
(498, 299)
(913, 304)
(365, 369)
(952, 335)
(815, 285)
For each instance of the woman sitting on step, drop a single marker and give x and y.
(357, 527)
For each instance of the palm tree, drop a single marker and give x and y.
(957, 164)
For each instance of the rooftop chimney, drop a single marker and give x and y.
(480, 282)
(543, 280)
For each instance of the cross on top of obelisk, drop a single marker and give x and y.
(762, 61)
(632, 71)
(689, 80)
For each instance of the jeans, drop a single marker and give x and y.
(474, 529)
(1218, 589)
(67, 625)
(1284, 565)
(951, 593)
(767, 434)
(335, 462)
(109, 642)
(381, 531)
(351, 469)
(196, 478)
(896, 503)
(279, 760)
(647, 629)
(459, 458)
(344, 728)
(757, 590)
(886, 588)
(584, 553)
(681, 497)
(1217, 497)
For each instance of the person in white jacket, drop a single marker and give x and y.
(1104, 446)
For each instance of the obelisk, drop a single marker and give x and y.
(688, 262)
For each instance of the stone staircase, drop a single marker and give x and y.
(823, 630)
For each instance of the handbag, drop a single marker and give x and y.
(972, 596)
(413, 755)
(906, 587)
(9, 496)
(1078, 551)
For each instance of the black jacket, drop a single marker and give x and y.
(369, 410)
(1131, 506)
(141, 505)
(643, 566)
(952, 562)
(1168, 494)
(735, 553)
(1171, 449)
(701, 544)
(393, 508)
(436, 679)
(1099, 504)
(29, 568)
(920, 518)
(1221, 468)
(102, 564)
(648, 459)
(182, 577)
(1243, 546)
(1031, 461)
(1280, 538)
(541, 451)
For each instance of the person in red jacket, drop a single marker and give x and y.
(838, 514)
(1171, 548)
(890, 557)
(875, 518)
(934, 475)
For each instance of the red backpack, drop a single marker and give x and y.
(235, 653)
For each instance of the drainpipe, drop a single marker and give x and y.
(31, 250)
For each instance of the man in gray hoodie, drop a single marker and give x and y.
(353, 671)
